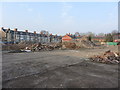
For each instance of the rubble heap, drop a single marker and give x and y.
(107, 57)
(18, 46)
(83, 42)
(86, 43)
(69, 45)
(31, 46)
(47, 47)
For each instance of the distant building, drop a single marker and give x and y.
(2, 35)
(15, 36)
(66, 38)
(54, 38)
(71, 37)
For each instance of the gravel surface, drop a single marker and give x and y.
(58, 69)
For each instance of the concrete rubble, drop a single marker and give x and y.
(69, 45)
(83, 42)
(28, 46)
(43, 47)
(108, 57)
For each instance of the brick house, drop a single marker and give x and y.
(15, 36)
(66, 38)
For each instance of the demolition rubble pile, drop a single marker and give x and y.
(43, 47)
(108, 57)
(9, 47)
(69, 45)
(28, 46)
(18, 46)
(85, 42)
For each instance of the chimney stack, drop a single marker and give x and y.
(34, 32)
(15, 29)
(26, 30)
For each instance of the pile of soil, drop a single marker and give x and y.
(31, 46)
(10, 47)
(86, 43)
(83, 42)
(69, 45)
(18, 46)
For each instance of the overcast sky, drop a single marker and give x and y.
(61, 17)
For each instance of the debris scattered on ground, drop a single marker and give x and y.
(107, 57)
(9, 47)
(26, 50)
(18, 46)
(28, 47)
(85, 42)
(44, 47)
(69, 45)
(16, 51)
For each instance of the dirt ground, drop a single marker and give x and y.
(58, 69)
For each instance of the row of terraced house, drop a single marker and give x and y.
(15, 36)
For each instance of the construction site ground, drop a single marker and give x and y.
(58, 69)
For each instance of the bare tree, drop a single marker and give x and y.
(114, 32)
(90, 34)
(109, 37)
(82, 34)
(77, 34)
(101, 34)
(45, 32)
